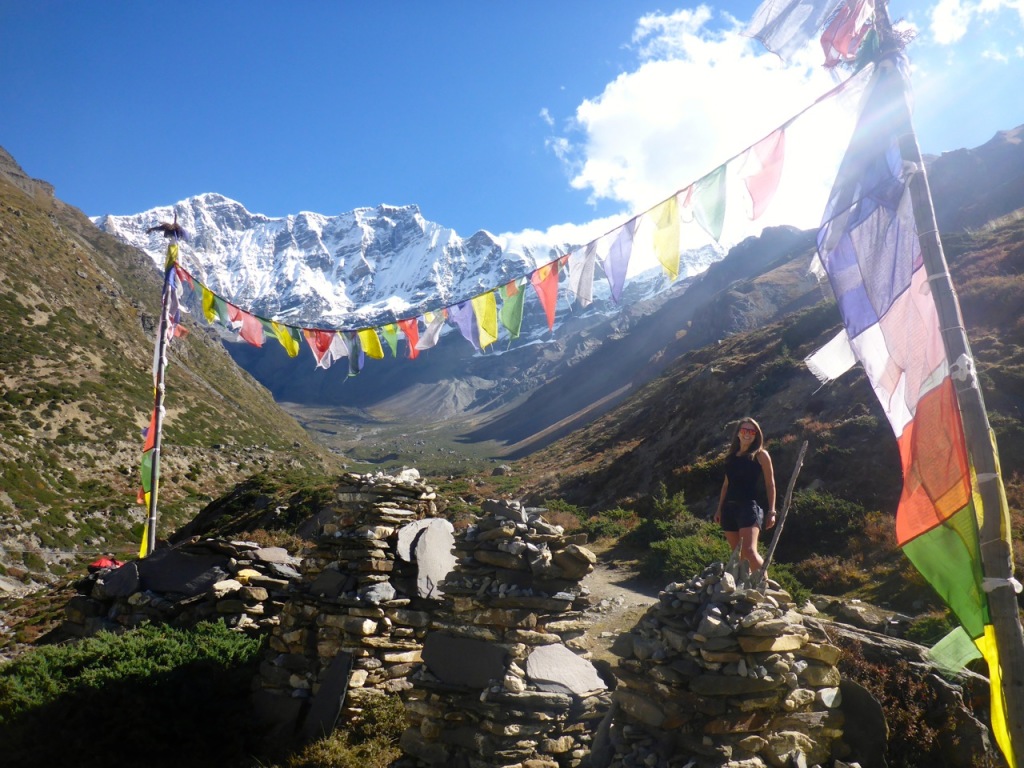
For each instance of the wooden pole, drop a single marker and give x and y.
(996, 554)
(158, 398)
(782, 516)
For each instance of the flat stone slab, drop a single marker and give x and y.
(556, 669)
(169, 570)
(462, 660)
(433, 551)
(327, 704)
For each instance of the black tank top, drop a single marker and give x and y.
(742, 473)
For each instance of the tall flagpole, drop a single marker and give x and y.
(158, 395)
(996, 554)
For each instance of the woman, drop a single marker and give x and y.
(738, 512)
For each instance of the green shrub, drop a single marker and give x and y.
(830, 575)
(153, 696)
(819, 522)
(610, 524)
(370, 742)
(678, 559)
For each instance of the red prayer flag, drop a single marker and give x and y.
(545, 283)
(411, 329)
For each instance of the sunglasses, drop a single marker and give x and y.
(748, 431)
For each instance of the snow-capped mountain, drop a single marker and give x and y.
(363, 268)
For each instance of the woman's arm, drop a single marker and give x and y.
(769, 483)
(721, 500)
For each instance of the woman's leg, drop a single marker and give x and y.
(733, 537)
(748, 546)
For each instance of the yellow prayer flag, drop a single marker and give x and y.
(172, 255)
(485, 306)
(144, 546)
(284, 335)
(209, 305)
(370, 342)
(666, 235)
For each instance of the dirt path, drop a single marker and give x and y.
(622, 599)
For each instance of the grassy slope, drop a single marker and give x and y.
(79, 311)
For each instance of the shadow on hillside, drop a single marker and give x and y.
(198, 714)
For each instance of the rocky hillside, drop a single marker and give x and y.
(79, 310)
(675, 429)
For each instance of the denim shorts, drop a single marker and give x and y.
(741, 514)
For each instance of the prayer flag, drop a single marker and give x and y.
(288, 337)
(580, 280)
(250, 328)
(369, 342)
(209, 305)
(356, 356)
(390, 334)
(485, 307)
(618, 247)
(762, 170)
(666, 235)
(785, 26)
(320, 342)
(869, 249)
(705, 203)
(512, 308)
(846, 31)
(411, 329)
(545, 282)
(432, 333)
(461, 315)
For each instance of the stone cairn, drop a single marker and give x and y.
(237, 582)
(354, 627)
(478, 633)
(720, 674)
(505, 681)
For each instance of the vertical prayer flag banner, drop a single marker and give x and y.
(869, 249)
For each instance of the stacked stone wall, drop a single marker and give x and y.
(240, 583)
(721, 674)
(355, 624)
(505, 681)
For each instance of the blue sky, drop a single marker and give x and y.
(497, 116)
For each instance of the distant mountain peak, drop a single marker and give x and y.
(363, 268)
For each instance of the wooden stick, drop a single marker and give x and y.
(760, 580)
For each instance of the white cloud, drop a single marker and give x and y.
(950, 19)
(545, 115)
(994, 54)
(697, 97)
